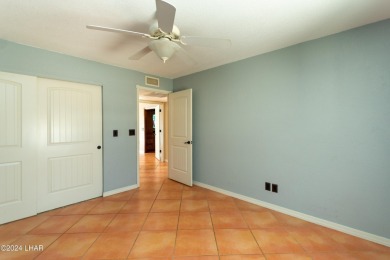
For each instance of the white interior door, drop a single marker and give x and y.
(70, 139)
(17, 147)
(157, 144)
(180, 136)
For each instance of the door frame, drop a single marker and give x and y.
(139, 88)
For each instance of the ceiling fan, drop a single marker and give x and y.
(165, 36)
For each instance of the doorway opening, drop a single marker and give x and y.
(152, 126)
(150, 130)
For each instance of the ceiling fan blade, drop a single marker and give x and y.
(184, 55)
(165, 15)
(141, 53)
(206, 42)
(108, 29)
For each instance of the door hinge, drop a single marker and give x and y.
(160, 151)
(160, 110)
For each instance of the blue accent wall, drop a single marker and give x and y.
(313, 118)
(119, 101)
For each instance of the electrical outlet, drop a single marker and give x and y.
(268, 186)
(275, 188)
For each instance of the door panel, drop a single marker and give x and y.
(70, 172)
(180, 136)
(69, 118)
(70, 123)
(17, 147)
(10, 180)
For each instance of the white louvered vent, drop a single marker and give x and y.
(150, 81)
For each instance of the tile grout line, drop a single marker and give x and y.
(143, 224)
(215, 234)
(250, 229)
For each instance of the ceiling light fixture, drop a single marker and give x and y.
(163, 47)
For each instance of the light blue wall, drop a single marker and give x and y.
(313, 118)
(119, 101)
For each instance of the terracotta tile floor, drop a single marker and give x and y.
(167, 220)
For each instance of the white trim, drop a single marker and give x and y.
(153, 89)
(116, 191)
(351, 231)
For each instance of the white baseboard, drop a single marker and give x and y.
(351, 231)
(113, 192)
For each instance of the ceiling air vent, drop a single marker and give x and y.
(150, 81)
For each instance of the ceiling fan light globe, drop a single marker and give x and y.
(163, 47)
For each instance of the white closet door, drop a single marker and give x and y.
(18, 156)
(70, 140)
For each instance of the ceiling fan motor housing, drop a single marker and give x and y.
(155, 31)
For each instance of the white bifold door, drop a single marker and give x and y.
(180, 136)
(50, 144)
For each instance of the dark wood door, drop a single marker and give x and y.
(149, 131)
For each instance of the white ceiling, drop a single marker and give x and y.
(254, 27)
